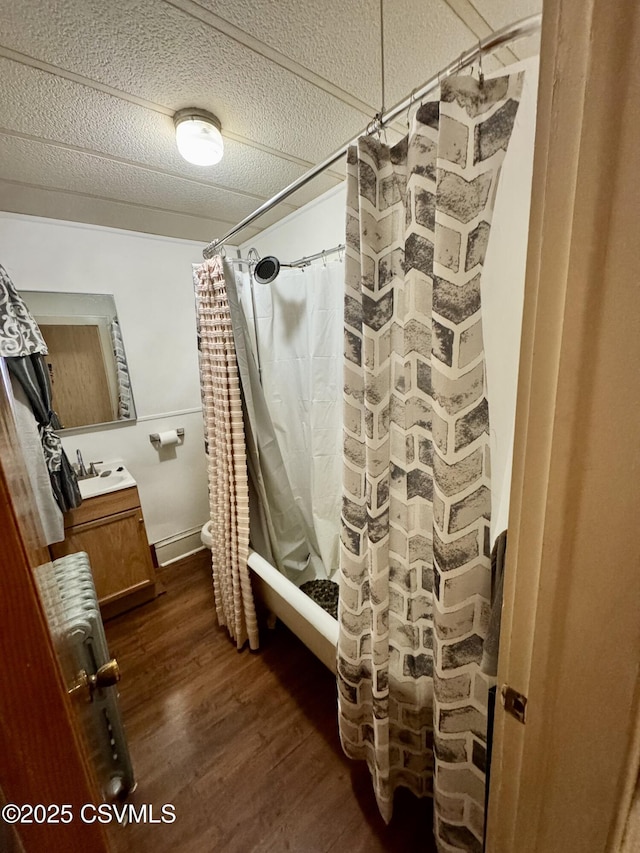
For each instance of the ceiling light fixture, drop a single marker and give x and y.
(198, 136)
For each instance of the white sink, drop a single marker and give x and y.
(112, 477)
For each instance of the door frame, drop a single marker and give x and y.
(44, 759)
(570, 639)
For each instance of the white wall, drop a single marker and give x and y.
(503, 291)
(320, 225)
(150, 279)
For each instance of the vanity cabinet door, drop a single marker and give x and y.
(120, 559)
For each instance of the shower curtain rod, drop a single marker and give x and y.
(305, 261)
(521, 29)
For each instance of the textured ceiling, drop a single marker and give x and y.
(88, 89)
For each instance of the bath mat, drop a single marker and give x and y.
(324, 593)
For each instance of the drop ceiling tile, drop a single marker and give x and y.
(149, 58)
(421, 38)
(70, 207)
(172, 59)
(64, 111)
(315, 187)
(48, 166)
(337, 40)
(500, 13)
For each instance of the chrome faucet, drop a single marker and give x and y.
(82, 471)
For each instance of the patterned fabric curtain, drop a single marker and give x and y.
(226, 455)
(415, 570)
(20, 335)
(23, 346)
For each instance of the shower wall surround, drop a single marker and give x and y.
(150, 279)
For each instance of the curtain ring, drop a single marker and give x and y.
(374, 126)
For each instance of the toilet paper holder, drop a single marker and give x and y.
(154, 437)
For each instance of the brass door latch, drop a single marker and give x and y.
(107, 675)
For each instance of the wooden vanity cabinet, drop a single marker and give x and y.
(110, 528)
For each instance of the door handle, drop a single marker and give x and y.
(106, 676)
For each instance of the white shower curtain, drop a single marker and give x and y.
(299, 334)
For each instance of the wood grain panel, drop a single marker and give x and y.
(118, 552)
(103, 505)
(78, 375)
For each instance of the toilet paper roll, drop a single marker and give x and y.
(168, 438)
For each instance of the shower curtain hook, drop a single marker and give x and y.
(411, 96)
(253, 256)
(480, 71)
(222, 252)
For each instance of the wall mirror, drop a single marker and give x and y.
(87, 362)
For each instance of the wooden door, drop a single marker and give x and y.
(79, 381)
(44, 757)
(570, 641)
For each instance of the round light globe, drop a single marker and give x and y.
(198, 137)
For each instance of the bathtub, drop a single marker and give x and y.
(308, 621)
(282, 598)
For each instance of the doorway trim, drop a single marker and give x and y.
(570, 638)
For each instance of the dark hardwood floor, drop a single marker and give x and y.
(243, 744)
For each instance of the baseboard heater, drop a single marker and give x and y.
(70, 600)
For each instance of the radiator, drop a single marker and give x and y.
(69, 598)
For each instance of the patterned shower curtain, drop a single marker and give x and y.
(226, 456)
(415, 568)
(125, 397)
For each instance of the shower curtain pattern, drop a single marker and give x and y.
(415, 570)
(125, 399)
(226, 456)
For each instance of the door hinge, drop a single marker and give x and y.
(514, 703)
